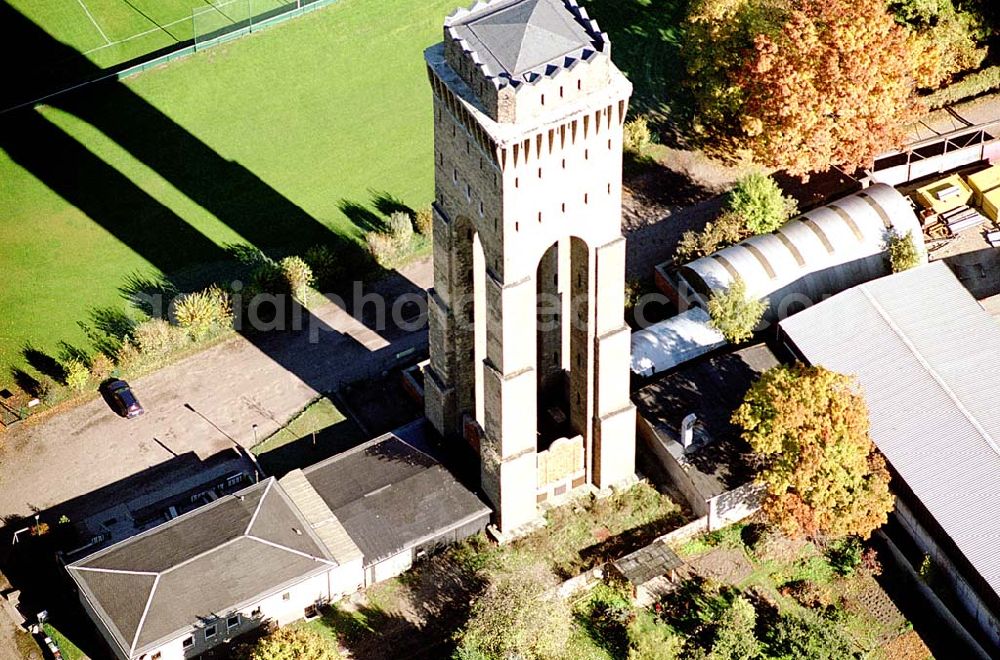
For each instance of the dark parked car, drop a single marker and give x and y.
(122, 400)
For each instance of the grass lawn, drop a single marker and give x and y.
(67, 648)
(109, 32)
(292, 445)
(257, 141)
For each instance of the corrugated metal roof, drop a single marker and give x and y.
(928, 359)
(822, 252)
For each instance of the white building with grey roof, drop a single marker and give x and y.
(275, 552)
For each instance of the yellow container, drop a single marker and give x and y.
(944, 194)
(991, 203)
(984, 181)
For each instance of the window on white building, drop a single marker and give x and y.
(188, 642)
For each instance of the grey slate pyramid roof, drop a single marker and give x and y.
(527, 34)
(515, 38)
(152, 587)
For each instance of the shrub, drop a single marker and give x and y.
(806, 636)
(902, 251)
(649, 639)
(204, 313)
(734, 637)
(383, 249)
(845, 555)
(400, 228)
(424, 221)
(510, 619)
(47, 390)
(724, 231)
(298, 276)
(636, 136)
(154, 337)
(757, 199)
(328, 267)
(101, 366)
(733, 313)
(292, 643)
(77, 374)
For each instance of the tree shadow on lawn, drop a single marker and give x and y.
(237, 197)
(44, 363)
(387, 204)
(647, 43)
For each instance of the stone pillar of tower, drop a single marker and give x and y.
(528, 113)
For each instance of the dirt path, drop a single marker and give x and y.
(202, 404)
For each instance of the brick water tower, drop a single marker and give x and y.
(529, 349)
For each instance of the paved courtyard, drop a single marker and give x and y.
(202, 404)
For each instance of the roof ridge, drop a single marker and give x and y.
(291, 550)
(864, 288)
(145, 611)
(202, 554)
(155, 529)
(260, 504)
(122, 571)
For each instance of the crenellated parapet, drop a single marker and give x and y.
(523, 58)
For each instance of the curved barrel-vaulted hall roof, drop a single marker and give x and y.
(820, 253)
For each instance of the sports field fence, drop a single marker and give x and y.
(219, 22)
(222, 20)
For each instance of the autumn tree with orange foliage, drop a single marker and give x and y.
(834, 87)
(824, 476)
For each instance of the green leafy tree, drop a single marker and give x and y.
(512, 619)
(294, 643)
(804, 635)
(809, 427)
(728, 229)
(944, 38)
(636, 136)
(651, 639)
(735, 638)
(735, 314)
(758, 201)
(903, 252)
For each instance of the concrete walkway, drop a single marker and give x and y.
(202, 404)
(963, 115)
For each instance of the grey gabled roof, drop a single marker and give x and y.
(928, 359)
(390, 496)
(204, 564)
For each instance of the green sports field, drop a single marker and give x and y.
(257, 141)
(109, 32)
